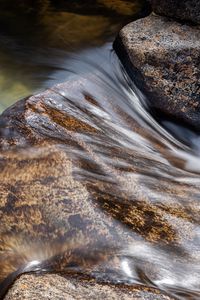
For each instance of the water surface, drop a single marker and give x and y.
(111, 193)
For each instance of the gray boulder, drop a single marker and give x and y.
(163, 58)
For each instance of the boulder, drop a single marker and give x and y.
(163, 58)
(51, 202)
(55, 287)
(185, 10)
(72, 197)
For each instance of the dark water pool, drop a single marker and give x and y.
(38, 37)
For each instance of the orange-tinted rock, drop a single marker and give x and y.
(73, 197)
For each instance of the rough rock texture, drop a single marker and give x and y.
(163, 58)
(54, 287)
(185, 10)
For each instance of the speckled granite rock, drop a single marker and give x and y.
(185, 10)
(163, 58)
(54, 287)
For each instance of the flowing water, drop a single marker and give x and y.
(107, 191)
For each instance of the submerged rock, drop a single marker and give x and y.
(163, 58)
(185, 10)
(59, 203)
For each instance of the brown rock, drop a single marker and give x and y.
(163, 58)
(185, 10)
(69, 211)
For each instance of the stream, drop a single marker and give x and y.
(132, 183)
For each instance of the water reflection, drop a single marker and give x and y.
(35, 38)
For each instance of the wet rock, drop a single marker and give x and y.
(54, 287)
(42, 188)
(186, 10)
(163, 58)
